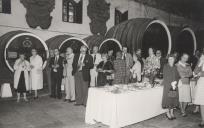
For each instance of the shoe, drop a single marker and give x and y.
(18, 100)
(201, 125)
(195, 112)
(169, 118)
(36, 97)
(25, 99)
(184, 115)
(173, 117)
(65, 100)
(70, 101)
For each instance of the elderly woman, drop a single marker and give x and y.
(185, 73)
(36, 73)
(104, 69)
(199, 93)
(21, 78)
(170, 78)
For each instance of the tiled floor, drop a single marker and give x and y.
(52, 113)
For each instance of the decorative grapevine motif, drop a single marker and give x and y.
(99, 12)
(38, 12)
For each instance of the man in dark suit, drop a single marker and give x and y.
(56, 65)
(82, 64)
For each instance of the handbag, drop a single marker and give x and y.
(172, 93)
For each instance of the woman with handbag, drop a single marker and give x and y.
(105, 70)
(170, 91)
(199, 92)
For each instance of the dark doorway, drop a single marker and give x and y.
(110, 45)
(156, 37)
(73, 43)
(185, 43)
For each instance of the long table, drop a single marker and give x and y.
(119, 110)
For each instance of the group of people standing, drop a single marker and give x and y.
(177, 92)
(28, 74)
(81, 70)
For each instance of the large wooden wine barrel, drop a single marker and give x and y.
(13, 42)
(183, 40)
(142, 33)
(94, 40)
(61, 42)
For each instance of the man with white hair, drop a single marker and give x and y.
(68, 77)
(96, 60)
(129, 63)
(82, 64)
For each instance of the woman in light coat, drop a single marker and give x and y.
(21, 77)
(36, 73)
(199, 92)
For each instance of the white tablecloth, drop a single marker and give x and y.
(119, 110)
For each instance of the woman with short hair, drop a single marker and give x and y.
(170, 78)
(185, 73)
(105, 70)
(21, 77)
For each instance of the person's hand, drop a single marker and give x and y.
(173, 84)
(99, 70)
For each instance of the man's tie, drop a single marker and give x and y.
(94, 58)
(79, 62)
(124, 57)
(56, 59)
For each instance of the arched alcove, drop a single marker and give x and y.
(110, 44)
(61, 42)
(186, 42)
(22, 41)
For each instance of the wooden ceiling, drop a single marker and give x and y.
(193, 9)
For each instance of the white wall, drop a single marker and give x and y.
(16, 20)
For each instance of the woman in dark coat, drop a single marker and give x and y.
(170, 78)
(105, 70)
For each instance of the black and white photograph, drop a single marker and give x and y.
(101, 63)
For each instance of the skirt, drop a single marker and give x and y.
(184, 92)
(199, 92)
(21, 84)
